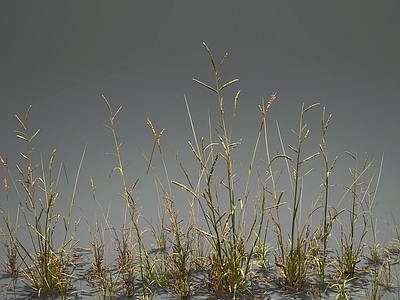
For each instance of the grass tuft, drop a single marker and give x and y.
(221, 245)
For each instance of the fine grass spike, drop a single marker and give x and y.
(334, 163)
(292, 148)
(222, 62)
(24, 156)
(21, 136)
(53, 153)
(325, 124)
(227, 84)
(107, 103)
(108, 127)
(280, 156)
(309, 107)
(19, 170)
(196, 155)
(115, 114)
(352, 155)
(26, 117)
(27, 114)
(205, 85)
(22, 123)
(110, 153)
(211, 57)
(271, 99)
(235, 103)
(185, 188)
(309, 157)
(33, 136)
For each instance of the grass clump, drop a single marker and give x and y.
(221, 245)
(351, 247)
(232, 241)
(45, 266)
(293, 257)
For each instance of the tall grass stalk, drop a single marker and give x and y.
(326, 223)
(351, 246)
(293, 258)
(229, 265)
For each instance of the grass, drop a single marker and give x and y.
(220, 246)
(46, 267)
(293, 256)
(230, 264)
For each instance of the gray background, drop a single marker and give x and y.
(62, 56)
